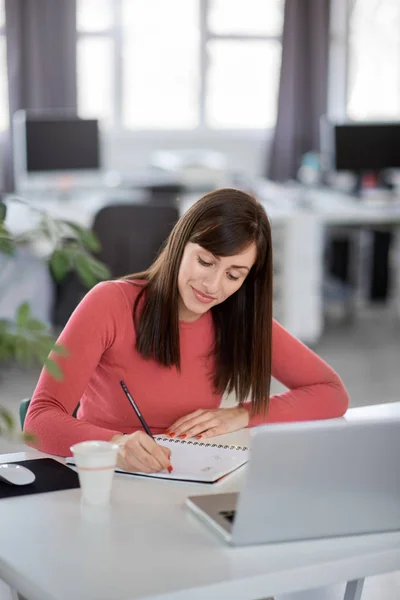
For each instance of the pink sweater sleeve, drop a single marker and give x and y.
(315, 391)
(89, 331)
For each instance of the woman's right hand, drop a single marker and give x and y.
(139, 452)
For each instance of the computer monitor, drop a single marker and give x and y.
(62, 144)
(53, 144)
(361, 148)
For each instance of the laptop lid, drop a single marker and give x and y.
(320, 479)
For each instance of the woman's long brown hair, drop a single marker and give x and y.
(224, 222)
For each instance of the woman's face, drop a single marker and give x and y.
(205, 280)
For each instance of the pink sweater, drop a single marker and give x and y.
(100, 338)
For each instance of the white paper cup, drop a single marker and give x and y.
(95, 462)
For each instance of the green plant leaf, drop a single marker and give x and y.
(43, 345)
(53, 368)
(85, 271)
(89, 269)
(6, 348)
(60, 350)
(24, 350)
(60, 264)
(28, 344)
(3, 211)
(47, 226)
(7, 418)
(42, 356)
(23, 315)
(8, 427)
(36, 326)
(99, 269)
(7, 342)
(7, 244)
(87, 238)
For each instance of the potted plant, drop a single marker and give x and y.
(68, 247)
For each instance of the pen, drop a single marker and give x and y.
(139, 414)
(136, 409)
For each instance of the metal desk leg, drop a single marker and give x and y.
(354, 589)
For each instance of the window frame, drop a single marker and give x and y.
(114, 32)
(3, 27)
(338, 69)
(3, 36)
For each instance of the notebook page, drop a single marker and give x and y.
(196, 461)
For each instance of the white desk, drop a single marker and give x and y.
(336, 208)
(149, 546)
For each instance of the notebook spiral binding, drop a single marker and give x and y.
(190, 442)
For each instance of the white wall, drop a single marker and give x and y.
(128, 152)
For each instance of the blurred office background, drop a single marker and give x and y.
(117, 114)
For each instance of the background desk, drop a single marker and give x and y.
(363, 243)
(149, 546)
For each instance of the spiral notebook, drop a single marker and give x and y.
(201, 462)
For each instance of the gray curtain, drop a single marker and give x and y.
(303, 85)
(41, 59)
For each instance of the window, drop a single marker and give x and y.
(181, 64)
(160, 52)
(3, 71)
(95, 58)
(373, 79)
(244, 56)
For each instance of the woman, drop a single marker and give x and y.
(198, 323)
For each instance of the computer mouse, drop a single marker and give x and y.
(16, 474)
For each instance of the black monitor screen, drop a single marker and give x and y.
(367, 146)
(62, 144)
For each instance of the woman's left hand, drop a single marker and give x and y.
(208, 423)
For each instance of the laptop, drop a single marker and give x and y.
(312, 480)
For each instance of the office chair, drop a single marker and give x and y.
(131, 235)
(23, 409)
(164, 194)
